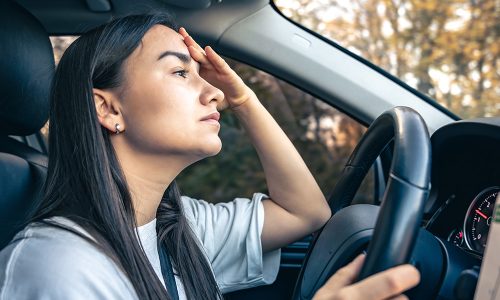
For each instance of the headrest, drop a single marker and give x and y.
(26, 71)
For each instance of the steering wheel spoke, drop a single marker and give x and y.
(391, 229)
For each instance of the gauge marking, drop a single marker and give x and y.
(481, 214)
(456, 237)
(478, 219)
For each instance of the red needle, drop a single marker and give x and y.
(481, 214)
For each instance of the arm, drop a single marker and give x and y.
(297, 206)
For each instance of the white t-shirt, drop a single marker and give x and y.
(45, 262)
(149, 241)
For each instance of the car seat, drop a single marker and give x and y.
(26, 70)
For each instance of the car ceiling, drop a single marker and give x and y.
(72, 17)
(253, 32)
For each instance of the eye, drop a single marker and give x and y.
(182, 73)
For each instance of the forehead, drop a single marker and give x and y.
(159, 39)
(163, 35)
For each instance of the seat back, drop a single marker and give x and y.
(26, 71)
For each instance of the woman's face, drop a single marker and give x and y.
(168, 109)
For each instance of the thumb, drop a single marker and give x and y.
(346, 275)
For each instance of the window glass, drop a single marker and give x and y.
(59, 45)
(448, 50)
(324, 137)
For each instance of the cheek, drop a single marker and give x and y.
(162, 117)
(160, 120)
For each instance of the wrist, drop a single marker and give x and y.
(244, 101)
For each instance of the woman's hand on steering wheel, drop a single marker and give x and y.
(389, 284)
(218, 73)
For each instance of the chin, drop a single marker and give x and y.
(211, 148)
(216, 149)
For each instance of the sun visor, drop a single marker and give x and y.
(192, 4)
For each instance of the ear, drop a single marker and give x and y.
(108, 110)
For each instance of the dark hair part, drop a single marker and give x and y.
(85, 181)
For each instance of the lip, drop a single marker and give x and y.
(212, 117)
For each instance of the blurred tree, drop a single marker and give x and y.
(323, 136)
(59, 45)
(448, 50)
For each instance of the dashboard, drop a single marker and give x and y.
(465, 182)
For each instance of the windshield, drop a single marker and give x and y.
(448, 50)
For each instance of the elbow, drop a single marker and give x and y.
(326, 215)
(321, 217)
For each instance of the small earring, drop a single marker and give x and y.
(117, 127)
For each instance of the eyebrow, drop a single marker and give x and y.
(181, 56)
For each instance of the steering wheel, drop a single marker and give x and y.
(391, 236)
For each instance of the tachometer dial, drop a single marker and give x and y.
(456, 237)
(478, 219)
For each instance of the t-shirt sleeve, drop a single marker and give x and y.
(231, 235)
(54, 264)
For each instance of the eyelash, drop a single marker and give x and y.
(182, 73)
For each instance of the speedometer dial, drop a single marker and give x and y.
(478, 219)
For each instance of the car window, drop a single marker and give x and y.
(59, 45)
(323, 135)
(447, 50)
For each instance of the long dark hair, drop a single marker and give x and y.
(85, 181)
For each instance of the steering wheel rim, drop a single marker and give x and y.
(396, 227)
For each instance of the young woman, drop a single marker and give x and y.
(133, 103)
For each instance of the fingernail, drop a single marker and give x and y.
(360, 256)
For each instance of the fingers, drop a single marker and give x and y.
(195, 50)
(189, 40)
(346, 275)
(183, 32)
(400, 297)
(386, 284)
(218, 62)
(201, 55)
(342, 278)
(198, 56)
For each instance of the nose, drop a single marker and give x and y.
(211, 94)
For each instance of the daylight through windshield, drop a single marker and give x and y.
(448, 50)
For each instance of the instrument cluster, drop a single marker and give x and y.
(473, 234)
(465, 182)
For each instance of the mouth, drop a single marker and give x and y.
(212, 118)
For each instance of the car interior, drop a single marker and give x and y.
(439, 174)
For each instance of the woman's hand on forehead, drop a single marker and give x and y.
(218, 73)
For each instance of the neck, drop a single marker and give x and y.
(148, 176)
(146, 193)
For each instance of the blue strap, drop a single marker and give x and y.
(167, 272)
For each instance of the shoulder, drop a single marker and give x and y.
(59, 264)
(205, 217)
(195, 209)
